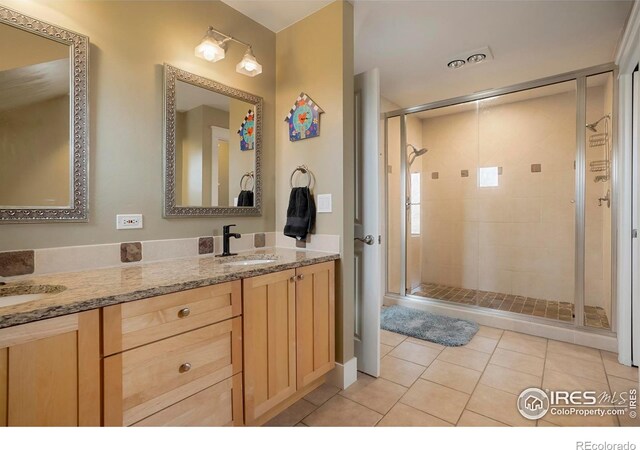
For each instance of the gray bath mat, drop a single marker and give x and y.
(429, 327)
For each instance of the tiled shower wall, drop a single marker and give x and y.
(517, 238)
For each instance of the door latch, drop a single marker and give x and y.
(634, 233)
(368, 239)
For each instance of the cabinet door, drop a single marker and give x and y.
(269, 342)
(315, 321)
(50, 372)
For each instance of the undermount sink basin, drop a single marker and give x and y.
(14, 295)
(249, 262)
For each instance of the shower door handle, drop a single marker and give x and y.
(368, 239)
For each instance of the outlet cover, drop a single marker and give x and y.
(324, 203)
(128, 221)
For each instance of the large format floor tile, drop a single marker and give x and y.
(391, 338)
(523, 343)
(518, 361)
(465, 357)
(402, 415)
(509, 380)
(377, 394)
(321, 394)
(482, 344)
(579, 351)
(440, 401)
(576, 366)
(292, 415)
(498, 405)
(471, 419)
(415, 353)
(342, 412)
(613, 367)
(400, 371)
(453, 376)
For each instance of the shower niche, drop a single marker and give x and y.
(510, 207)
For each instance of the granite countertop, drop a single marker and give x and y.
(92, 289)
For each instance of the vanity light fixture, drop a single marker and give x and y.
(213, 46)
(249, 65)
(456, 63)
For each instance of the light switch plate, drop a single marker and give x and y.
(128, 221)
(324, 203)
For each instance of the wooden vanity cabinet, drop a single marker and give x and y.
(50, 372)
(289, 335)
(175, 359)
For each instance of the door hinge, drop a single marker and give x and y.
(634, 234)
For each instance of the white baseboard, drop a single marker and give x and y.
(491, 319)
(344, 375)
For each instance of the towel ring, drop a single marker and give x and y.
(243, 185)
(304, 170)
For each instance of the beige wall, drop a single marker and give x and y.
(315, 55)
(34, 154)
(129, 43)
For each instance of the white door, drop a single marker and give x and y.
(368, 200)
(635, 248)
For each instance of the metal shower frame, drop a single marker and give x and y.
(580, 76)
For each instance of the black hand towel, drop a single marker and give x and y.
(245, 198)
(301, 213)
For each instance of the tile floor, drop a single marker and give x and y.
(594, 316)
(426, 384)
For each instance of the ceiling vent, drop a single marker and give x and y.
(471, 58)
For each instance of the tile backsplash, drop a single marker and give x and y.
(77, 258)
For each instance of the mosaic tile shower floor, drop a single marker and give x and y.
(594, 316)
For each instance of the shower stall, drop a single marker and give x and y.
(503, 201)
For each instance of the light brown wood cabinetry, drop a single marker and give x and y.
(174, 359)
(269, 317)
(50, 372)
(315, 323)
(289, 337)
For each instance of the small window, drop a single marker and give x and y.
(414, 204)
(488, 177)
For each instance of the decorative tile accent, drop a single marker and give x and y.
(535, 168)
(434, 175)
(259, 240)
(205, 245)
(130, 252)
(464, 173)
(594, 316)
(16, 263)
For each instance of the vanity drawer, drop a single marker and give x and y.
(140, 322)
(140, 382)
(217, 406)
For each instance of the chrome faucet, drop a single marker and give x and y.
(226, 236)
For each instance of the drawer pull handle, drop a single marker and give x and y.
(185, 368)
(184, 312)
(300, 277)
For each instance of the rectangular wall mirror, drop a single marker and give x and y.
(212, 147)
(43, 124)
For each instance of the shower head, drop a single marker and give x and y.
(415, 153)
(594, 125)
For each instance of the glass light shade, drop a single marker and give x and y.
(249, 65)
(210, 49)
